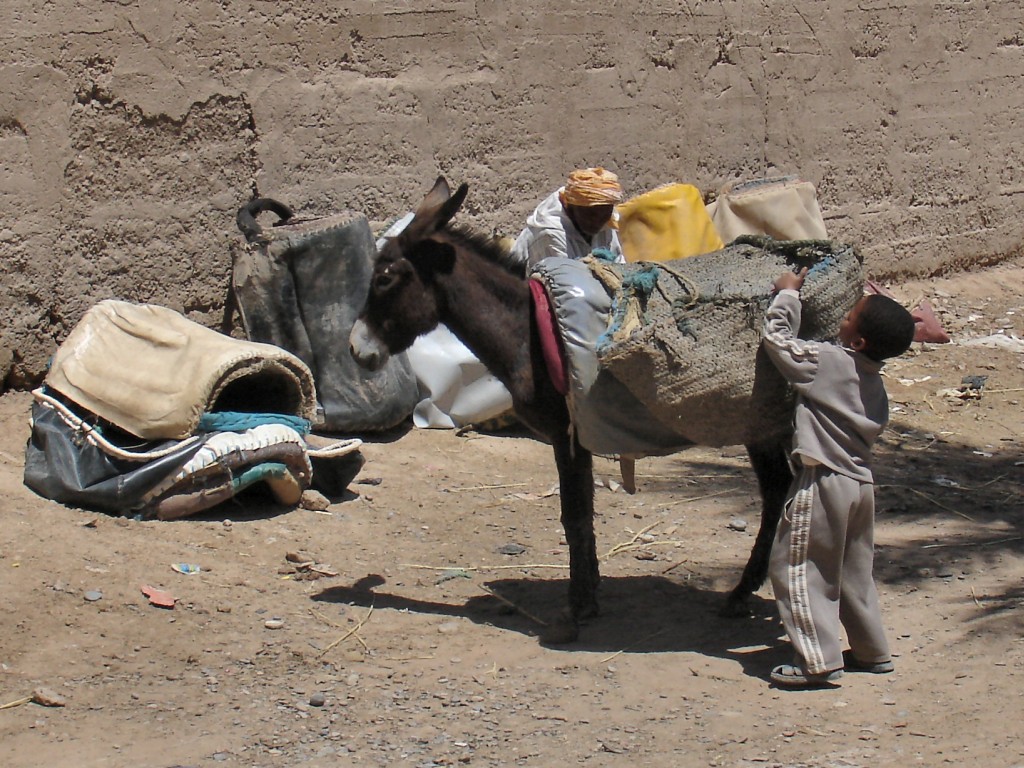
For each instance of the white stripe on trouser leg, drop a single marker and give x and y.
(799, 595)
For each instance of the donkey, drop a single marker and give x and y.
(434, 272)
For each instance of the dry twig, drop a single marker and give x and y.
(634, 544)
(973, 543)
(487, 487)
(676, 565)
(16, 702)
(325, 619)
(698, 498)
(933, 501)
(515, 607)
(620, 548)
(631, 544)
(606, 659)
(983, 485)
(349, 634)
(480, 568)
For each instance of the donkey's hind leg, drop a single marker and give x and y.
(576, 489)
(771, 465)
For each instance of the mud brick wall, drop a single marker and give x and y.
(130, 132)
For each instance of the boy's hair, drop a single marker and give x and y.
(886, 326)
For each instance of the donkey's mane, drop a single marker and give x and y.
(484, 245)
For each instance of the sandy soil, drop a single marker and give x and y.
(422, 650)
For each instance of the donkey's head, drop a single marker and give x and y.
(402, 302)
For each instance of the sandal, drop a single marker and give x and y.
(794, 678)
(852, 664)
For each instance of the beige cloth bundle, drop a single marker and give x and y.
(152, 372)
(785, 208)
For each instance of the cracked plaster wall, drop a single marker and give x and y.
(130, 132)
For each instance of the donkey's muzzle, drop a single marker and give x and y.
(364, 346)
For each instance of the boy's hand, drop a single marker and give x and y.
(790, 280)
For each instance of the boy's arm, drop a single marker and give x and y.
(796, 359)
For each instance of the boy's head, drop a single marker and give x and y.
(878, 327)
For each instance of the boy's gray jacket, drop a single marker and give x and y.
(842, 406)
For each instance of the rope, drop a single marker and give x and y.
(631, 292)
(604, 254)
(94, 436)
(334, 450)
(796, 250)
(610, 278)
(691, 287)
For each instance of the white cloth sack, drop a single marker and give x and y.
(455, 387)
(457, 390)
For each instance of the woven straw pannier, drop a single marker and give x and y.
(692, 354)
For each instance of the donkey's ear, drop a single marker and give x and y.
(436, 210)
(456, 200)
(436, 197)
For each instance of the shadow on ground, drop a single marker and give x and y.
(641, 614)
(960, 509)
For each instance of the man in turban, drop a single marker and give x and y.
(573, 220)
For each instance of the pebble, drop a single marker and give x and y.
(273, 623)
(314, 501)
(48, 698)
(737, 524)
(93, 595)
(318, 699)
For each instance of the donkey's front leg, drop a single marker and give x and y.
(576, 485)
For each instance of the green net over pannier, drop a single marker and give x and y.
(684, 336)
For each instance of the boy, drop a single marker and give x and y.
(822, 556)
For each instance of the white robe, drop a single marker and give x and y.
(550, 232)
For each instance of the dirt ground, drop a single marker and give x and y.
(413, 639)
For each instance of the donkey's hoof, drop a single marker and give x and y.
(561, 632)
(735, 607)
(591, 611)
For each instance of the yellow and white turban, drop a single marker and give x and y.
(591, 186)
